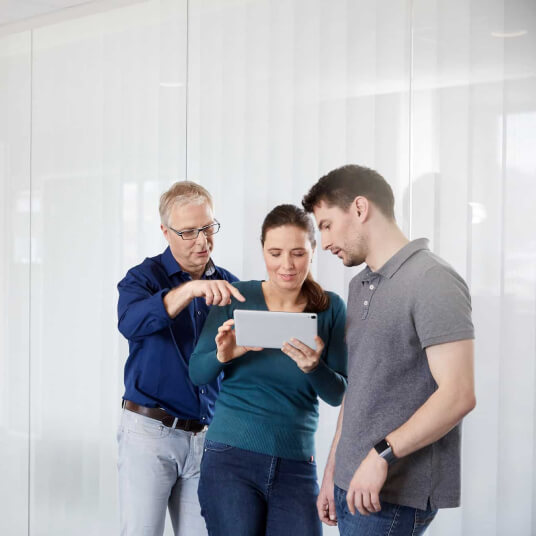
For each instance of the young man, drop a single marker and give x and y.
(395, 457)
(163, 304)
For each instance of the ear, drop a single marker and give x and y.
(165, 232)
(361, 208)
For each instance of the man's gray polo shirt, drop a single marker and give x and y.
(413, 301)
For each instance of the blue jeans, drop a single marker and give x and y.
(243, 493)
(393, 519)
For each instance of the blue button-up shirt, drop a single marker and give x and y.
(156, 371)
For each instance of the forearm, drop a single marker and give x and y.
(178, 299)
(433, 420)
(329, 470)
(329, 385)
(204, 367)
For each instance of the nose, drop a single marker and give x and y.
(201, 239)
(325, 239)
(288, 261)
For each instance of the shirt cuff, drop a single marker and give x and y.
(318, 373)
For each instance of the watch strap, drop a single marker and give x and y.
(385, 451)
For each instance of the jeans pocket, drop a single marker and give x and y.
(216, 446)
(339, 496)
(149, 429)
(424, 517)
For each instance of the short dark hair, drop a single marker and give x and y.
(342, 185)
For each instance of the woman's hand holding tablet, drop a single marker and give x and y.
(226, 343)
(304, 356)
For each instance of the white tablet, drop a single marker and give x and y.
(270, 329)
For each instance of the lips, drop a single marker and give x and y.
(287, 277)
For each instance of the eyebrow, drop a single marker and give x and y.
(194, 228)
(293, 249)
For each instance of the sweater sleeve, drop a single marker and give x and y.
(204, 366)
(328, 379)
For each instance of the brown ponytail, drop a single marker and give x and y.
(317, 297)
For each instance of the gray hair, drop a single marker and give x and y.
(182, 193)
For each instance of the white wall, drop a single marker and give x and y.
(256, 100)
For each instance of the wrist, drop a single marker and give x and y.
(384, 450)
(310, 368)
(188, 289)
(221, 358)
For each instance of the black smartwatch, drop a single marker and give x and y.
(385, 451)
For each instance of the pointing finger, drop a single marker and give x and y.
(236, 293)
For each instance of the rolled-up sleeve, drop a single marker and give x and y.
(140, 309)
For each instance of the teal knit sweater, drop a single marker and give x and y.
(266, 403)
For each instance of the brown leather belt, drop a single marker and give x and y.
(188, 425)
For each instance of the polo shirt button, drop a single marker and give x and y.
(371, 287)
(365, 302)
(202, 391)
(204, 418)
(198, 313)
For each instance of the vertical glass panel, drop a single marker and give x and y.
(15, 105)
(518, 298)
(108, 136)
(456, 184)
(473, 112)
(281, 93)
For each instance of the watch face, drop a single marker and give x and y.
(382, 446)
(385, 451)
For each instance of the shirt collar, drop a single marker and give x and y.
(173, 267)
(392, 266)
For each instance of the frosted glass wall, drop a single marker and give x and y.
(105, 96)
(256, 100)
(15, 217)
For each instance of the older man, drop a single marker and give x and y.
(163, 303)
(396, 458)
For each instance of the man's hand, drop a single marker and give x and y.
(305, 357)
(215, 292)
(325, 503)
(365, 487)
(226, 343)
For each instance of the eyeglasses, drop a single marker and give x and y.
(192, 234)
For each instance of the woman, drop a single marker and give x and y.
(258, 475)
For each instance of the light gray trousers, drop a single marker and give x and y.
(158, 470)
